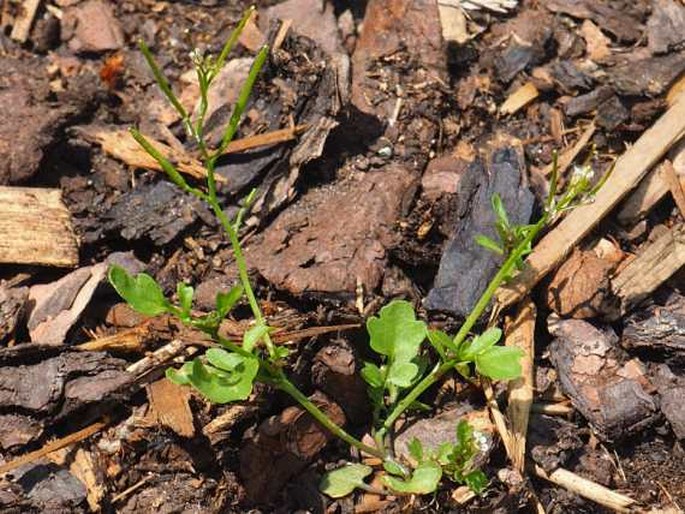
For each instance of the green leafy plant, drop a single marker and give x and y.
(404, 367)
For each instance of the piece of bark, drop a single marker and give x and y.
(443, 173)
(659, 329)
(159, 211)
(666, 26)
(290, 253)
(92, 27)
(611, 113)
(440, 429)
(517, 100)
(58, 305)
(50, 488)
(520, 333)
(310, 18)
(169, 406)
(465, 267)
(36, 228)
(656, 75)
(282, 447)
(335, 371)
(656, 263)
(12, 308)
(622, 23)
(43, 386)
(614, 401)
(597, 43)
(581, 289)
(588, 102)
(628, 172)
(388, 26)
(671, 389)
(552, 441)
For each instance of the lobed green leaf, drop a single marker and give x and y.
(342, 481)
(424, 480)
(141, 292)
(500, 362)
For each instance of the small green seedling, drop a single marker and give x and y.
(404, 367)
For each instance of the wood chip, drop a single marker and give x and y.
(22, 24)
(655, 264)
(675, 185)
(586, 488)
(169, 406)
(519, 99)
(520, 333)
(121, 145)
(36, 228)
(650, 191)
(570, 154)
(629, 170)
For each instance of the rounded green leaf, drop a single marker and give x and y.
(481, 343)
(500, 362)
(141, 292)
(372, 374)
(342, 481)
(222, 386)
(402, 373)
(424, 480)
(396, 332)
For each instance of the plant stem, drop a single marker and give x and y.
(242, 270)
(285, 385)
(470, 321)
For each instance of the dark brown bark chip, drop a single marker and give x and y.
(552, 441)
(580, 288)
(333, 237)
(621, 19)
(388, 27)
(612, 395)
(12, 308)
(159, 211)
(50, 487)
(282, 447)
(588, 102)
(47, 388)
(92, 27)
(466, 267)
(672, 392)
(654, 77)
(666, 26)
(30, 123)
(659, 329)
(336, 372)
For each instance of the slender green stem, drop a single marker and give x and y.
(430, 379)
(242, 271)
(285, 385)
